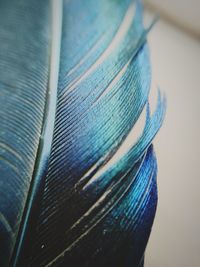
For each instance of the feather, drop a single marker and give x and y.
(75, 79)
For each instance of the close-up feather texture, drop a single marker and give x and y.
(75, 78)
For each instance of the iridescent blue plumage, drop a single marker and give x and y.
(92, 205)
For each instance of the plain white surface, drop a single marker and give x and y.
(175, 239)
(185, 13)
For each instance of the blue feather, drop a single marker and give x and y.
(89, 77)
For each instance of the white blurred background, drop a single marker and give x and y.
(175, 56)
